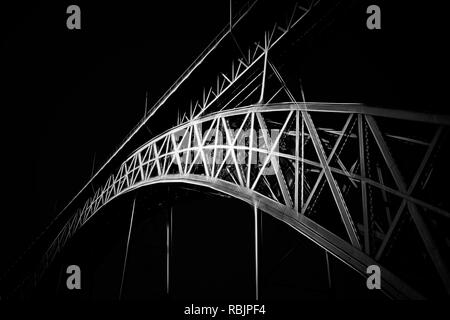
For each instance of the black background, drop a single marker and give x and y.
(70, 96)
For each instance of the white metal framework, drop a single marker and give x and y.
(328, 170)
(188, 154)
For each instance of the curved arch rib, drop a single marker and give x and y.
(161, 159)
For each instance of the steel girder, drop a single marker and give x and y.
(253, 153)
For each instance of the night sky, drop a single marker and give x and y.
(71, 96)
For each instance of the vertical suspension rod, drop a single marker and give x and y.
(126, 252)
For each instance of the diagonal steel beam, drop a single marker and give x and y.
(335, 190)
(231, 141)
(216, 140)
(274, 160)
(362, 165)
(201, 143)
(177, 155)
(188, 153)
(330, 157)
(337, 195)
(425, 234)
(200, 150)
(270, 151)
(250, 147)
(410, 190)
(385, 197)
(175, 151)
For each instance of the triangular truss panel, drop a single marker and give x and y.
(363, 183)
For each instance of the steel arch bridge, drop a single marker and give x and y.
(284, 175)
(346, 176)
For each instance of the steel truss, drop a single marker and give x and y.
(303, 163)
(189, 153)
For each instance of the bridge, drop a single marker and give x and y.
(334, 172)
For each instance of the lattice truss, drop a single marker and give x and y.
(358, 181)
(339, 182)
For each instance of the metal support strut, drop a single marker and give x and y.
(168, 248)
(256, 253)
(126, 252)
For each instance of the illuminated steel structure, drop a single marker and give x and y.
(308, 164)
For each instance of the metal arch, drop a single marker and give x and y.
(392, 286)
(349, 108)
(160, 161)
(223, 82)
